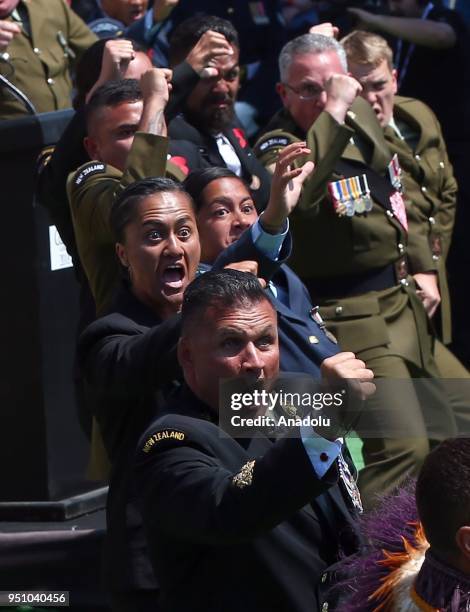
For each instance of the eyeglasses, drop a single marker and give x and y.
(308, 91)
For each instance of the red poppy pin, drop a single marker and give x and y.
(240, 136)
(181, 163)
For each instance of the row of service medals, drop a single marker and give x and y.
(351, 196)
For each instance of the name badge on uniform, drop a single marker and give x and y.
(258, 13)
(350, 196)
(395, 172)
(399, 209)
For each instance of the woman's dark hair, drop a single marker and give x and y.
(123, 210)
(197, 181)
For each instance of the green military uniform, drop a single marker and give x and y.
(357, 270)
(430, 189)
(38, 59)
(91, 191)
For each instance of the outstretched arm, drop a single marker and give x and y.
(433, 34)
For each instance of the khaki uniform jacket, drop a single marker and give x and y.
(327, 246)
(91, 191)
(39, 65)
(430, 191)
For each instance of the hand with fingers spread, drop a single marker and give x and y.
(248, 266)
(325, 29)
(286, 185)
(209, 47)
(8, 30)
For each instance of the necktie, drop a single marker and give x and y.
(228, 154)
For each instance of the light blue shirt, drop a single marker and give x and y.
(269, 245)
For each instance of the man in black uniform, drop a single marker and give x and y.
(208, 129)
(266, 518)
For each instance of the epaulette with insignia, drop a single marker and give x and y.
(161, 437)
(88, 170)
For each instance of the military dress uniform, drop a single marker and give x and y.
(37, 60)
(350, 249)
(430, 190)
(262, 525)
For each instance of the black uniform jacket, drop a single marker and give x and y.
(129, 361)
(225, 534)
(199, 150)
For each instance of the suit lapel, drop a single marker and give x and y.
(294, 289)
(213, 153)
(402, 114)
(242, 154)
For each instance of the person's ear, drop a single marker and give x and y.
(462, 539)
(282, 91)
(185, 357)
(122, 254)
(91, 147)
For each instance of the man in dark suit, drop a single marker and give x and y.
(208, 130)
(237, 523)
